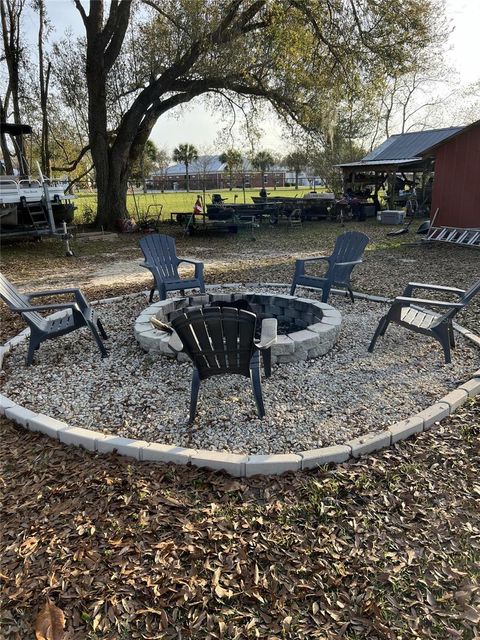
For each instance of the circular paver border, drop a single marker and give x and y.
(239, 465)
(318, 323)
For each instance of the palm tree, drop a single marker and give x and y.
(185, 153)
(262, 161)
(296, 160)
(233, 159)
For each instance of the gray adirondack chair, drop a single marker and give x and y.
(79, 314)
(347, 253)
(161, 259)
(439, 326)
(221, 340)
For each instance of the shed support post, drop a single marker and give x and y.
(391, 189)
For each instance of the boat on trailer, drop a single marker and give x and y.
(31, 207)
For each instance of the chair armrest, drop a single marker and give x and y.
(433, 303)
(54, 292)
(174, 343)
(269, 333)
(346, 264)
(313, 259)
(79, 297)
(430, 287)
(46, 307)
(189, 260)
(145, 265)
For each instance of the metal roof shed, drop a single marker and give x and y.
(400, 153)
(456, 186)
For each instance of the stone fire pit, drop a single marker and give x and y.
(306, 328)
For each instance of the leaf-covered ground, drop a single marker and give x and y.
(387, 547)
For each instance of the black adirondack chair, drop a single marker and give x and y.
(439, 326)
(221, 340)
(79, 314)
(161, 258)
(347, 253)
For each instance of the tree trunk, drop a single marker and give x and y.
(10, 13)
(7, 160)
(187, 177)
(112, 188)
(44, 82)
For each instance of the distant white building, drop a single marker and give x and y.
(208, 172)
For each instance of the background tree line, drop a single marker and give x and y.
(340, 76)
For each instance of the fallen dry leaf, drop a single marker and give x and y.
(49, 623)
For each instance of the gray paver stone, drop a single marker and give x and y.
(321, 328)
(305, 339)
(455, 399)
(109, 300)
(369, 442)
(15, 341)
(5, 403)
(376, 298)
(47, 425)
(433, 414)
(293, 357)
(123, 446)
(303, 301)
(321, 350)
(156, 452)
(81, 437)
(317, 457)
(472, 337)
(19, 414)
(3, 353)
(201, 299)
(283, 346)
(272, 464)
(233, 464)
(406, 428)
(329, 313)
(333, 320)
(472, 387)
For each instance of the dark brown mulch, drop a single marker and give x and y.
(387, 547)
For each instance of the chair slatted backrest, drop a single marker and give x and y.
(464, 300)
(159, 250)
(13, 298)
(348, 247)
(218, 340)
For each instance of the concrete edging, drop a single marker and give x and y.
(239, 465)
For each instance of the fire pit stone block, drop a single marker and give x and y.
(307, 328)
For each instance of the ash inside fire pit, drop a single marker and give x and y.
(306, 328)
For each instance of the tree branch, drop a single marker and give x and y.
(116, 33)
(74, 163)
(78, 178)
(81, 11)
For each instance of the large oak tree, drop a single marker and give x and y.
(303, 56)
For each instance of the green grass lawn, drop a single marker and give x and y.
(140, 205)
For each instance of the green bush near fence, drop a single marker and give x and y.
(141, 205)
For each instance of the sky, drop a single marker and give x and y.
(200, 127)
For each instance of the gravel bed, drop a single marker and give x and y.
(310, 404)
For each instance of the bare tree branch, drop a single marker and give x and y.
(73, 165)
